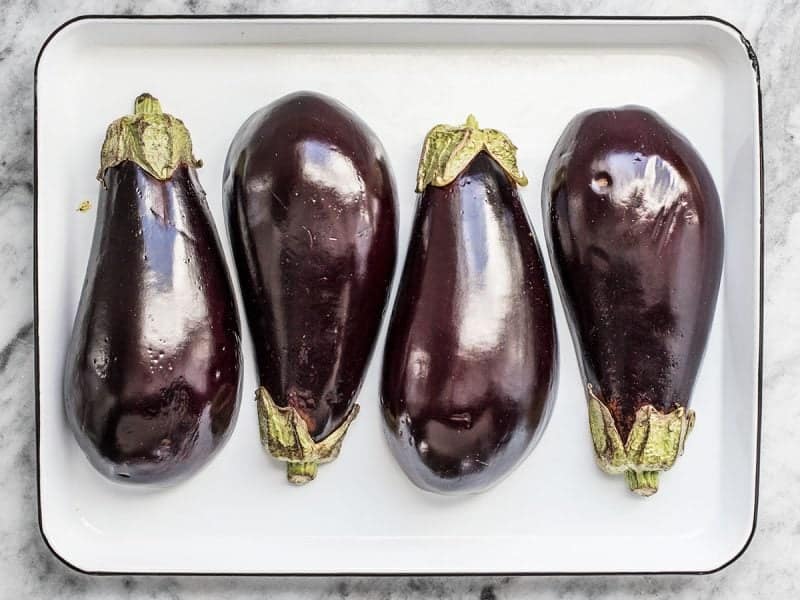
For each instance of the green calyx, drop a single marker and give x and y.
(654, 443)
(284, 434)
(448, 150)
(159, 143)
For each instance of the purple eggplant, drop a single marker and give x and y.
(153, 368)
(311, 211)
(634, 226)
(470, 363)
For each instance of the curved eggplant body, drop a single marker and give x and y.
(153, 367)
(470, 362)
(311, 212)
(634, 226)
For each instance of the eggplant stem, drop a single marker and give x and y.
(299, 473)
(654, 443)
(146, 104)
(157, 142)
(448, 150)
(644, 483)
(285, 435)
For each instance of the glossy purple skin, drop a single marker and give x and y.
(638, 260)
(470, 364)
(153, 369)
(311, 213)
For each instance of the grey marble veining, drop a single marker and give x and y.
(770, 566)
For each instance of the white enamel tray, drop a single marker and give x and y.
(557, 513)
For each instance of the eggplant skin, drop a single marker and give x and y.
(154, 366)
(634, 226)
(469, 371)
(311, 212)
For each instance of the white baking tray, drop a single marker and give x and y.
(557, 513)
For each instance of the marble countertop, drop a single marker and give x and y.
(770, 566)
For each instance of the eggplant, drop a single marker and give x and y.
(153, 368)
(311, 212)
(634, 227)
(470, 363)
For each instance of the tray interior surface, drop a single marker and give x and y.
(557, 512)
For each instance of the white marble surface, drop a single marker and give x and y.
(769, 568)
